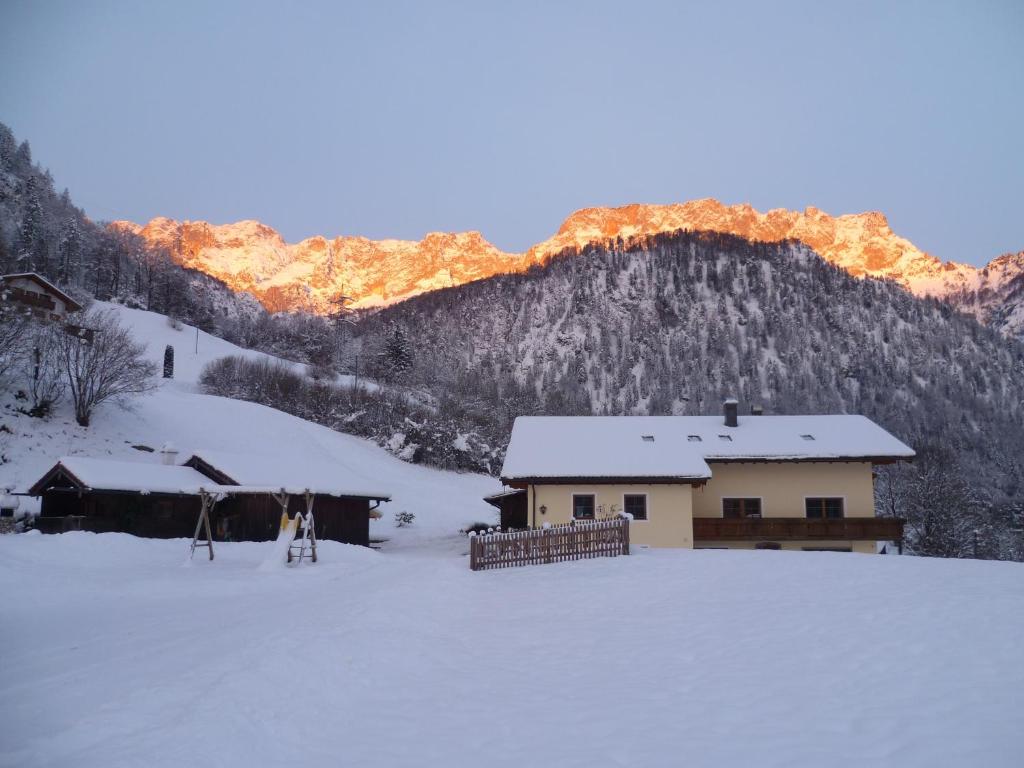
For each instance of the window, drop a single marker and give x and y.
(734, 508)
(635, 504)
(820, 508)
(583, 506)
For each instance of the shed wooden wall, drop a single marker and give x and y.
(238, 518)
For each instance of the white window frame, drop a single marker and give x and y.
(647, 504)
(824, 496)
(721, 504)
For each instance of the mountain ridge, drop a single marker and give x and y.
(310, 275)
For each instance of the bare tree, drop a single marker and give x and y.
(111, 367)
(41, 367)
(14, 323)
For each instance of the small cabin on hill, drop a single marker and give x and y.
(770, 482)
(37, 295)
(162, 500)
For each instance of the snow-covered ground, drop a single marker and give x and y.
(116, 655)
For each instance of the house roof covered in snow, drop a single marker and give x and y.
(623, 447)
(679, 446)
(290, 471)
(216, 472)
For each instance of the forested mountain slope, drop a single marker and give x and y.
(43, 231)
(674, 323)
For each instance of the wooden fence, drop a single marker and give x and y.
(575, 541)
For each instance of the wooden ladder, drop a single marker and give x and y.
(306, 547)
(203, 523)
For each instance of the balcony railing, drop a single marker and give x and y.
(797, 529)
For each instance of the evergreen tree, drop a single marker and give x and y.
(396, 354)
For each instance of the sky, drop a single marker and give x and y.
(390, 119)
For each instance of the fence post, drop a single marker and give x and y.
(625, 536)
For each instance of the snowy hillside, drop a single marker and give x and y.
(177, 412)
(118, 656)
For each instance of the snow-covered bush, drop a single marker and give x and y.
(403, 519)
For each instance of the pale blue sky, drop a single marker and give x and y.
(393, 119)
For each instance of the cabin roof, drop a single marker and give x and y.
(46, 285)
(652, 447)
(248, 475)
(136, 476)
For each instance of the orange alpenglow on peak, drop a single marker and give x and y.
(309, 275)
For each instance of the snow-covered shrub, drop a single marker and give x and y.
(478, 528)
(403, 519)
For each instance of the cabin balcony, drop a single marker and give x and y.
(797, 529)
(30, 299)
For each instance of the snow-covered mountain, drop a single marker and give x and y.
(250, 256)
(312, 274)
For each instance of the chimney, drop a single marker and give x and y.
(756, 410)
(168, 454)
(731, 406)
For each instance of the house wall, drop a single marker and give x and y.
(782, 487)
(669, 510)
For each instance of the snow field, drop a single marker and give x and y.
(115, 655)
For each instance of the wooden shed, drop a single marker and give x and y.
(163, 501)
(512, 504)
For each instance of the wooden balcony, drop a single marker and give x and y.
(30, 299)
(797, 529)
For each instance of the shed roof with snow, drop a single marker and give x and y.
(127, 476)
(214, 472)
(293, 473)
(653, 448)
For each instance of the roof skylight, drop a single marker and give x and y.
(647, 438)
(693, 438)
(727, 438)
(807, 437)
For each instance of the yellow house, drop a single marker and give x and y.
(772, 482)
